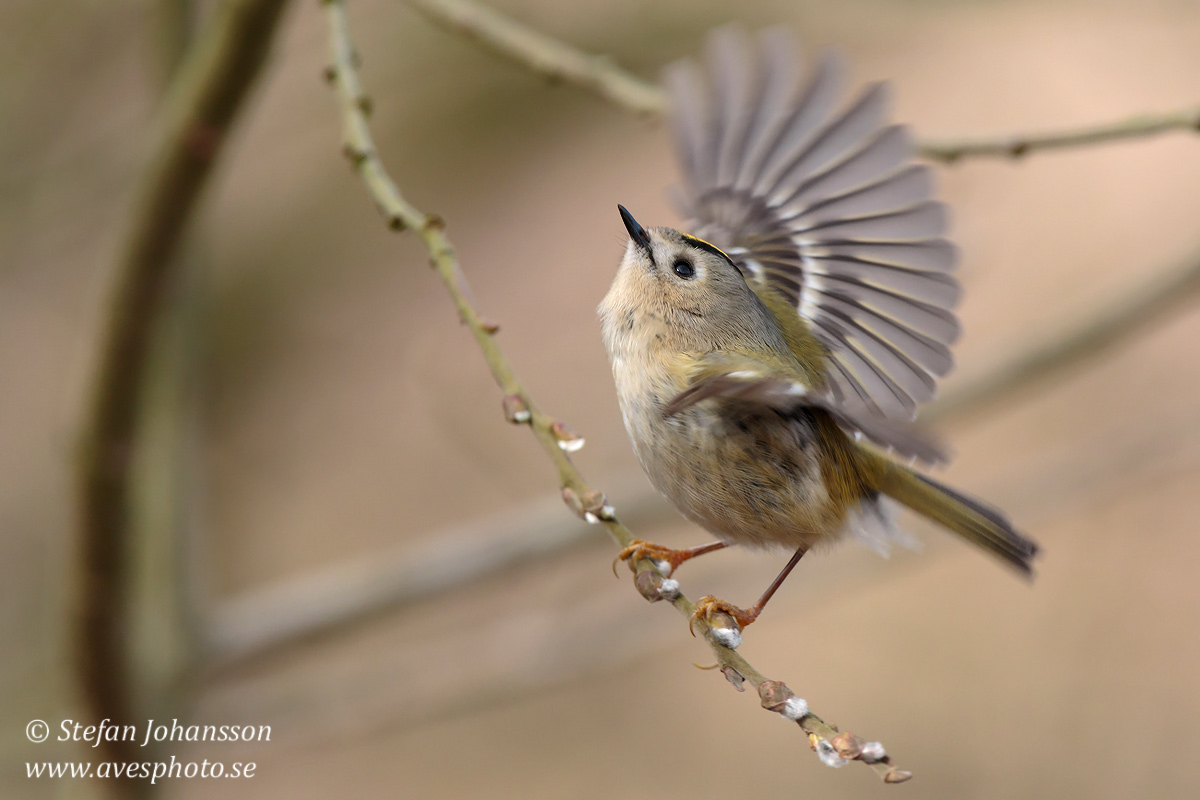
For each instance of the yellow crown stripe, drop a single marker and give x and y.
(706, 245)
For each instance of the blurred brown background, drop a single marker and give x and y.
(338, 411)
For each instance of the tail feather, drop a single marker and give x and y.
(976, 522)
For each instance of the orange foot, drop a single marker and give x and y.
(656, 552)
(708, 606)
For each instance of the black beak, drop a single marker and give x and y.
(636, 232)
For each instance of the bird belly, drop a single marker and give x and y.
(749, 478)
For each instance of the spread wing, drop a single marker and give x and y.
(822, 204)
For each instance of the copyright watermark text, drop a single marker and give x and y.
(143, 735)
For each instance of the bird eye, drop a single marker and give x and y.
(684, 269)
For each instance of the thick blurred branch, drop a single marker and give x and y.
(1122, 319)
(202, 103)
(174, 29)
(559, 61)
(519, 408)
(297, 610)
(163, 630)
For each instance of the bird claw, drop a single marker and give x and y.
(708, 607)
(657, 553)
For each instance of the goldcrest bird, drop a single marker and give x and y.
(770, 364)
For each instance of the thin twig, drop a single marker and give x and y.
(554, 438)
(204, 99)
(559, 61)
(1016, 145)
(551, 58)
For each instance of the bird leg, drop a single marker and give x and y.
(708, 605)
(656, 552)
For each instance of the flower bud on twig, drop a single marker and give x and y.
(592, 506)
(827, 754)
(571, 498)
(873, 752)
(777, 697)
(516, 410)
(847, 745)
(734, 677)
(774, 694)
(596, 504)
(655, 587)
(567, 439)
(649, 585)
(725, 630)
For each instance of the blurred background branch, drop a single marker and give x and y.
(1015, 145)
(174, 30)
(546, 56)
(295, 610)
(205, 95)
(1117, 322)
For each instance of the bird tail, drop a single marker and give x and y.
(976, 522)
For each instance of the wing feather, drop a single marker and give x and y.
(780, 81)
(923, 221)
(801, 122)
(927, 320)
(823, 205)
(933, 255)
(930, 288)
(904, 189)
(737, 83)
(885, 153)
